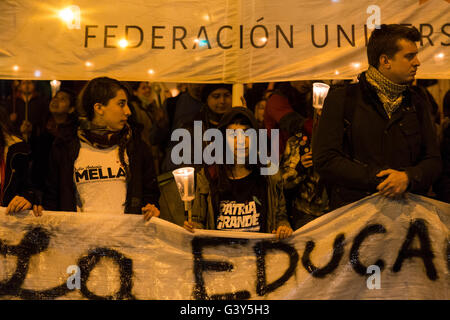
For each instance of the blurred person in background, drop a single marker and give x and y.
(15, 157)
(27, 109)
(62, 120)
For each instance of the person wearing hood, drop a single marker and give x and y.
(103, 166)
(217, 100)
(236, 197)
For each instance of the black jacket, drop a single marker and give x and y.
(442, 186)
(41, 147)
(356, 139)
(17, 173)
(142, 186)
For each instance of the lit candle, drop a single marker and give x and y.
(184, 178)
(320, 91)
(55, 84)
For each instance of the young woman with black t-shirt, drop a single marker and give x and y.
(236, 197)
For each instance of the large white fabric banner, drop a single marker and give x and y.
(209, 41)
(372, 249)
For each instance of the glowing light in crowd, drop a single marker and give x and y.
(336, 72)
(263, 39)
(88, 64)
(206, 17)
(439, 56)
(320, 91)
(37, 73)
(184, 178)
(174, 92)
(151, 71)
(123, 43)
(196, 40)
(55, 85)
(15, 67)
(356, 65)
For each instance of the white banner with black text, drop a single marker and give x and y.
(210, 41)
(372, 249)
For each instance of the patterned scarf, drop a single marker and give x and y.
(390, 93)
(101, 138)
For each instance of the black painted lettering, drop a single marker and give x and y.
(180, 39)
(202, 33)
(261, 249)
(241, 36)
(289, 42)
(354, 251)
(107, 35)
(87, 35)
(447, 33)
(88, 263)
(425, 252)
(141, 35)
(313, 37)
(340, 30)
(36, 241)
(100, 173)
(83, 175)
(252, 35)
(121, 173)
(428, 35)
(155, 36)
(219, 41)
(93, 174)
(110, 174)
(338, 252)
(201, 265)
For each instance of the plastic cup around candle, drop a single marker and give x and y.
(320, 91)
(184, 178)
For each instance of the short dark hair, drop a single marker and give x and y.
(71, 94)
(384, 41)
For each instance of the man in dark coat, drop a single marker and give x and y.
(377, 135)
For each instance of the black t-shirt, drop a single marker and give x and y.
(244, 206)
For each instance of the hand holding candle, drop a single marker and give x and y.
(184, 178)
(320, 91)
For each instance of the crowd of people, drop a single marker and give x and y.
(102, 149)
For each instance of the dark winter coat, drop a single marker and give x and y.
(142, 186)
(356, 140)
(442, 186)
(17, 174)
